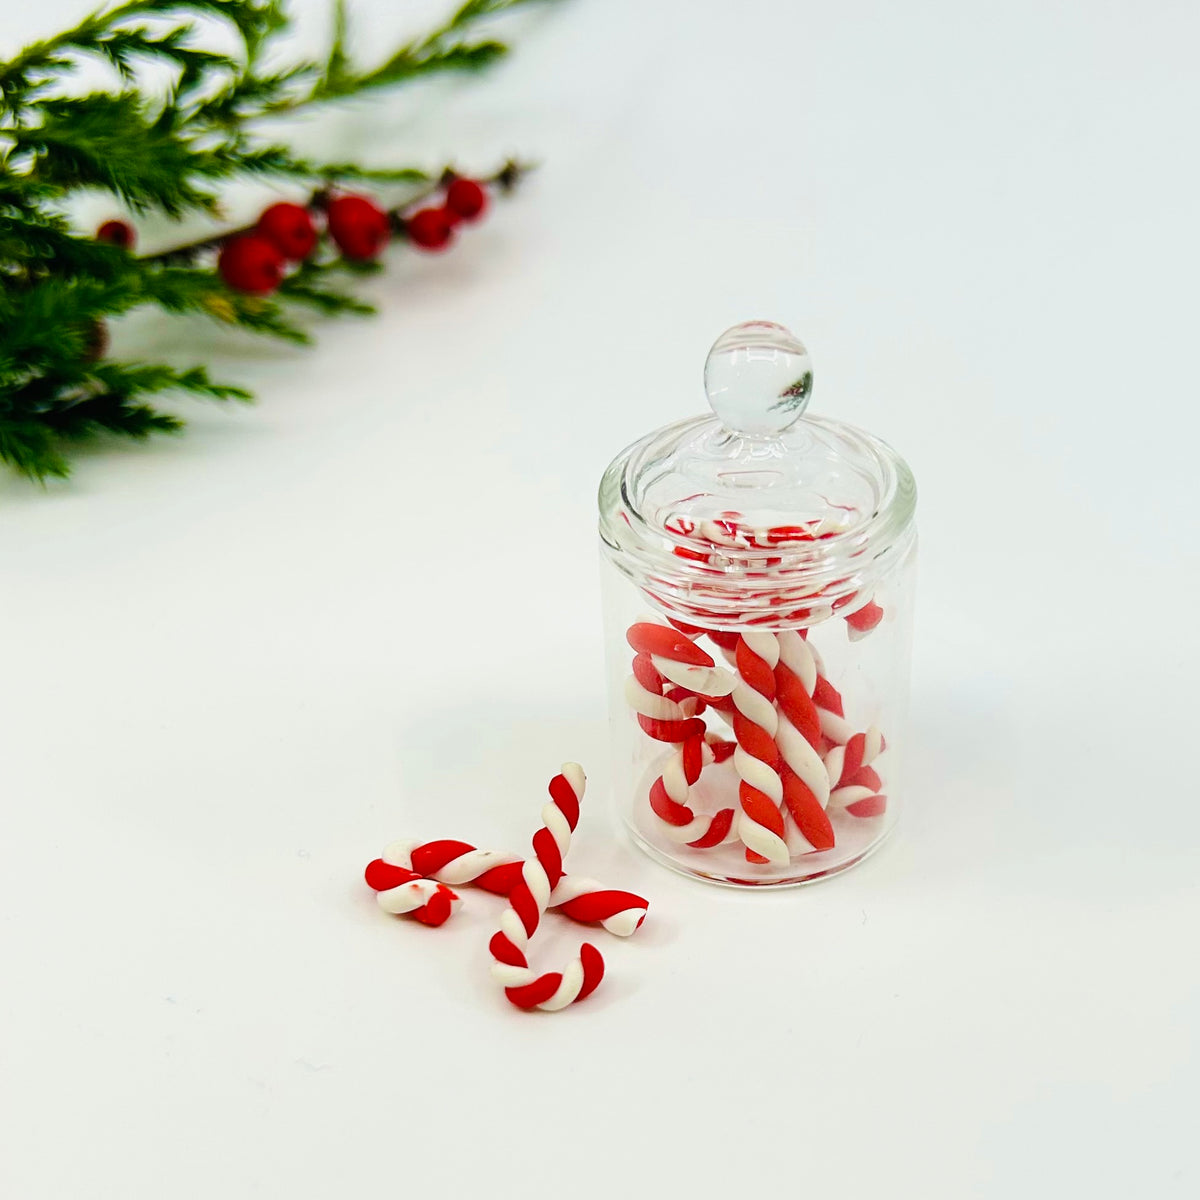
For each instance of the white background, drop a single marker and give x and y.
(236, 664)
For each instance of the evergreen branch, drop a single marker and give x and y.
(111, 412)
(247, 95)
(258, 314)
(35, 241)
(135, 379)
(444, 50)
(305, 287)
(328, 303)
(170, 154)
(28, 446)
(337, 62)
(100, 399)
(279, 160)
(104, 34)
(102, 140)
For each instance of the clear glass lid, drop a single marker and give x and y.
(760, 511)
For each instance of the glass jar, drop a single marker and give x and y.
(758, 575)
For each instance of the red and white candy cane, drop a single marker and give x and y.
(406, 892)
(860, 622)
(663, 718)
(856, 784)
(523, 986)
(757, 759)
(453, 862)
(677, 658)
(730, 532)
(664, 653)
(669, 796)
(805, 778)
(835, 729)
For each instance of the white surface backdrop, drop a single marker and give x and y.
(237, 663)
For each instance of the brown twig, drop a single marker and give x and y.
(506, 178)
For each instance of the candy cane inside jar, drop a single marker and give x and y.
(758, 580)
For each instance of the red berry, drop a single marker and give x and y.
(431, 228)
(118, 233)
(360, 229)
(250, 264)
(466, 199)
(289, 228)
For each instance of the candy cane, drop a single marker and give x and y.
(527, 902)
(834, 726)
(757, 759)
(805, 778)
(862, 621)
(663, 654)
(669, 796)
(589, 903)
(677, 658)
(406, 892)
(662, 718)
(729, 532)
(726, 643)
(458, 863)
(668, 654)
(856, 784)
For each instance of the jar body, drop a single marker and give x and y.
(702, 755)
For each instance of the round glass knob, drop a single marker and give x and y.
(758, 377)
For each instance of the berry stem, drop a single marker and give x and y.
(506, 178)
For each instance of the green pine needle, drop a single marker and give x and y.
(168, 153)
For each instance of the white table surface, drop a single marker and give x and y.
(237, 663)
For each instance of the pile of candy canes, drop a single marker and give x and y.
(416, 879)
(795, 755)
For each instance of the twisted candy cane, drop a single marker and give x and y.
(805, 779)
(835, 729)
(406, 892)
(677, 658)
(666, 653)
(665, 718)
(669, 795)
(757, 759)
(730, 532)
(527, 902)
(448, 861)
(661, 717)
(585, 901)
(861, 622)
(727, 644)
(857, 786)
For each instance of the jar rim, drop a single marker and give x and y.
(756, 577)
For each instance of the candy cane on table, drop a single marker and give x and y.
(856, 784)
(523, 986)
(805, 778)
(405, 892)
(757, 759)
(453, 862)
